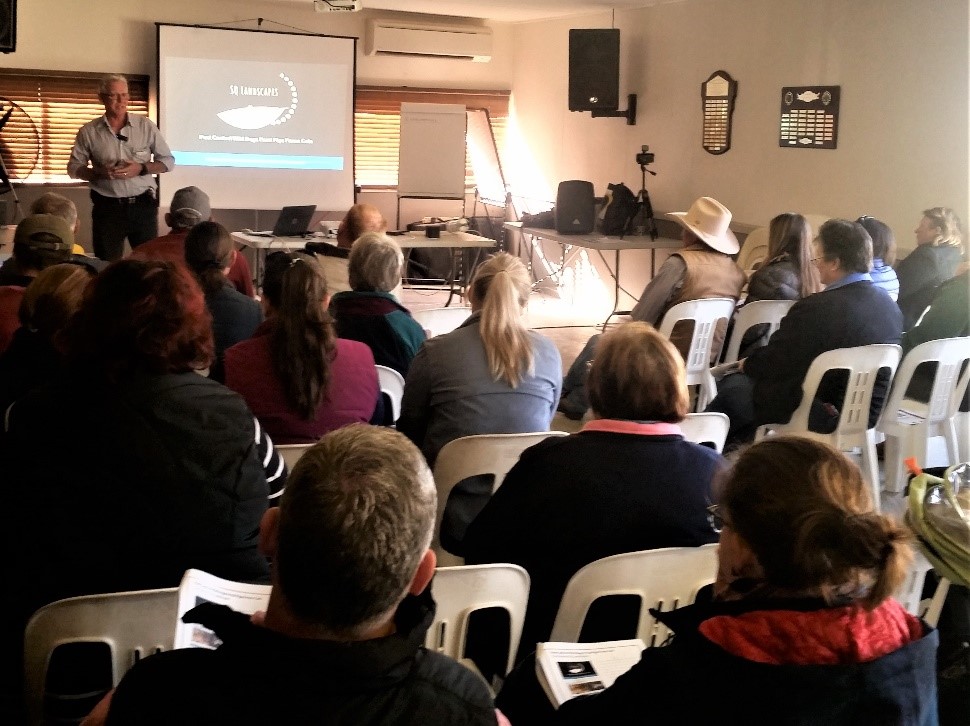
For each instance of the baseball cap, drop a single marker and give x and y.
(45, 232)
(190, 205)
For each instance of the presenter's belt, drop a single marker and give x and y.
(147, 197)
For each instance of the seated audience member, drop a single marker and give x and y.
(208, 253)
(61, 206)
(133, 467)
(360, 219)
(803, 628)
(628, 481)
(40, 241)
(883, 255)
(342, 641)
(948, 316)
(489, 376)
(786, 274)
(35, 354)
(297, 376)
(190, 205)
(849, 312)
(703, 268)
(369, 312)
(939, 248)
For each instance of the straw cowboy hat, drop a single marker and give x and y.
(710, 221)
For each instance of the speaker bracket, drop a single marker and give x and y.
(630, 114)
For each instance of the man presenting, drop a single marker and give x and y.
(115, 154)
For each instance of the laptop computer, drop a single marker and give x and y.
(292, 222)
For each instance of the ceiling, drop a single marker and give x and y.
(510, 11)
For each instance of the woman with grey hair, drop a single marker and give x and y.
(369, 312)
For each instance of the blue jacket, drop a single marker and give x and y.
(693, 680)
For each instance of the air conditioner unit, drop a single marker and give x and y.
(387, 37)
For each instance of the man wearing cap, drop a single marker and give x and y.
(41, 240)
(190, 205)
(118, 154)
(704, 268)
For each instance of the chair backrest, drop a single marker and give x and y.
(863, 364)
(754, 250)
(759, 312)
(705, 313)
(706, 428)
(949, 354)
(472, 455)
(460, 591)
(910, 593)
(291, 453)
(438, 321)
(392, 385)
(664, 579)
(133, 624)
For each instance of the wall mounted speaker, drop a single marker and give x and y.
(575, 207)
(594, 69)
(8, 26)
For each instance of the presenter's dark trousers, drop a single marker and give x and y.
(114, 218)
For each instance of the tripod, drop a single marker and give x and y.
(644, 223)
(4, 174)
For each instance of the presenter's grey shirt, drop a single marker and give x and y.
(450, 391)
(97, 143)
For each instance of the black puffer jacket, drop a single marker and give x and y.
(259, 676)
(777, 279)
(123, 487)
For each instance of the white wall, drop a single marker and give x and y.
(903, 135)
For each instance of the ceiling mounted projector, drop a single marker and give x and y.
(337, 6)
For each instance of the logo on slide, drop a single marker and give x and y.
(259, 117)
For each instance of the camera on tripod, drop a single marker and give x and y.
(645, 156)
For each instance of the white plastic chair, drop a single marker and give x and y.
(754, 250)
(291, 453)
(863, 365)
(909, 425)
(133, 624)
(705, 313)
(460, 591)
(664, 579)
(754, 313)
(392, 384)
(706, 428)
(438, 321)
(910, 594)
(470, 456)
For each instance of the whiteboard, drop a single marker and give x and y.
(432, 152)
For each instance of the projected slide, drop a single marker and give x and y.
(253, 114)
(258, 120)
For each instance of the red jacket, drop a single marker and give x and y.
(171, 248)
(351, 397)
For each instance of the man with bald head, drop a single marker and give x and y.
(359, 219)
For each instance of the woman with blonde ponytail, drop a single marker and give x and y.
(803, 628)
(298, 377)
(492, 375)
